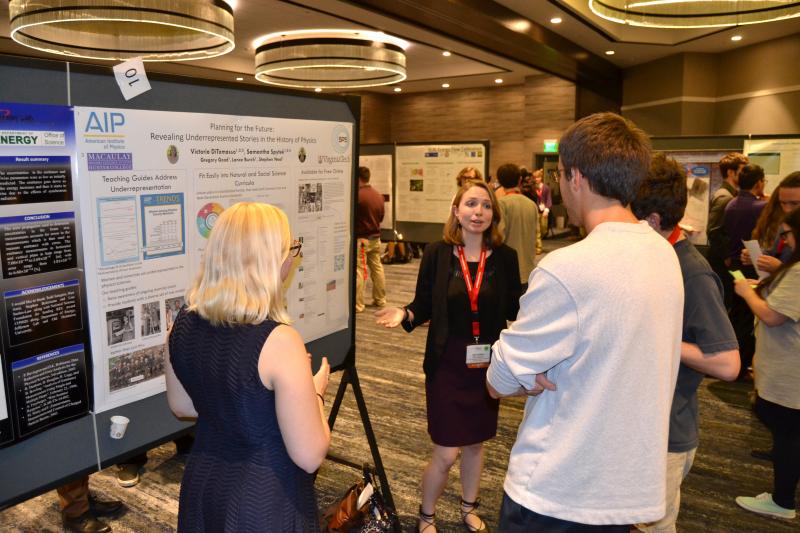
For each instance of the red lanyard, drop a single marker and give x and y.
(675, 235)
(473, 289)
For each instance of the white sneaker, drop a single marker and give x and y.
(763, 504)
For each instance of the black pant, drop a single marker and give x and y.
(515, 518)
(784, 424)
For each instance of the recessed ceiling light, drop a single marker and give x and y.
(555, 20)
(445, 86)
(446, 53)
(239, 78)
(498, 80)
(736, 38)
(317, 90)
(520, 25)
(610, 52)
(397, 89)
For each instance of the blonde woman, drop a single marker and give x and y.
(468, 286)
(236, 365)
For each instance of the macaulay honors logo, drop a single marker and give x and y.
(109, 161)
(340, 139)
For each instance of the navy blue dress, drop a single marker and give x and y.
(239, 476)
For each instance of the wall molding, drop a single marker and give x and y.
(712, 99)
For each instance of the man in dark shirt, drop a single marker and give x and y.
(708, 342)
(741, 215)
(369, 214)
(729, 166)
(742, 212)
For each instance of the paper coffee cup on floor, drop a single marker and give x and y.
(118, 426)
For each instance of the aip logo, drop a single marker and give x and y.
(340, 139)
(104, 122)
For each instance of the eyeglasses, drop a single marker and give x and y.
(294, 250)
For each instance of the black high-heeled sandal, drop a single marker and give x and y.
(482, 528)
(429, 519)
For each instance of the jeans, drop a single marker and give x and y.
(515, 518)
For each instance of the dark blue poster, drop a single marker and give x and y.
(44, 346)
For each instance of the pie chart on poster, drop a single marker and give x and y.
(207, 217)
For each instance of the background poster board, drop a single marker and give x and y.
(156, 181)
(778, 158)
(380, 168)
(44, 347)
(425, 177)
(703, 178)
(420, 214)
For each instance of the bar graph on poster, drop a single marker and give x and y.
(156, 182)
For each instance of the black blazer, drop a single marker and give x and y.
(430, 299)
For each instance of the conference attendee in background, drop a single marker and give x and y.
(729, 167)
(544, 201)
(741, 215)
(468, 173)
(236, 365)
(708, 343)
(519, 220)
(602, 322)
(468, 287)
(80, 509)
(776, 303)
(784, 199)
(369, 215)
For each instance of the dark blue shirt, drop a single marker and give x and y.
(741, 215)
(705, 323)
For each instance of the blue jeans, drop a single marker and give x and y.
(515, 518)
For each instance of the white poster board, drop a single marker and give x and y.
(152, 185)
(380, 177)
(426, 178)
(778, 158)
(702, 179)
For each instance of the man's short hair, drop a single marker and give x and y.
(363, 174)
(749, 176)
(610, 151)
(508, 175)
(732, 161)
(663, 191)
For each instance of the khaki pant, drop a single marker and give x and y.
(678, 466)
(541, 232)
(74, 497)
(369, 264)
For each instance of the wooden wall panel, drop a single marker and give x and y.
(515, 119)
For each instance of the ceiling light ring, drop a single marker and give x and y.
(355, 43)
(49, 29)
(685, 19)
(341, 62)
(318, 53)
(326, 85)
(364, 75)
(329, 59)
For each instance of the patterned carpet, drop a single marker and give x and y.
(390, 368)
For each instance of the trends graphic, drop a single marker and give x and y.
(206, 218)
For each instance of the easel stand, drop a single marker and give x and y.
(350, 375)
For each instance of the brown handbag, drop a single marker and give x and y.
(342, 516)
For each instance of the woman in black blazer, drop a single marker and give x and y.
(468, 287)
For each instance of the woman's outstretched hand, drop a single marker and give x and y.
(390, 317)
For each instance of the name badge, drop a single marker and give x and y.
(479, 355)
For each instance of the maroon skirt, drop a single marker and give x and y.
(460, 410)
